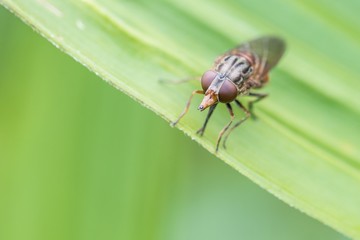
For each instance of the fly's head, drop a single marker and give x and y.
(217, 88)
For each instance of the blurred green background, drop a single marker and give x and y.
(80, 160)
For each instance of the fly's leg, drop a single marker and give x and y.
(202, 129)
(247, 115)
(179, 81)
(258, 96)
(226, 126)
(187, 106)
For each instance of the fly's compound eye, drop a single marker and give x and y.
(207, 79)
(228, 92)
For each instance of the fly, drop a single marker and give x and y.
(236, 73)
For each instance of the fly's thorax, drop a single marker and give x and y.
(235, 68)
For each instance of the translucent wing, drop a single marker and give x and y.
(265, 52)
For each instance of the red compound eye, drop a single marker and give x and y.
(207, 79)
(228, 92)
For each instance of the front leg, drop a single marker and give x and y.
(187, 106)
(247, 115)
(202, 129)
(228, 106)
(179, 81)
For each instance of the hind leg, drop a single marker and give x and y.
(258, 96)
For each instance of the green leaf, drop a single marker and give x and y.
(305, 147)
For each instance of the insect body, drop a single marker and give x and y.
(236, 73)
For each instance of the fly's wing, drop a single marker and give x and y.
(265, 53)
